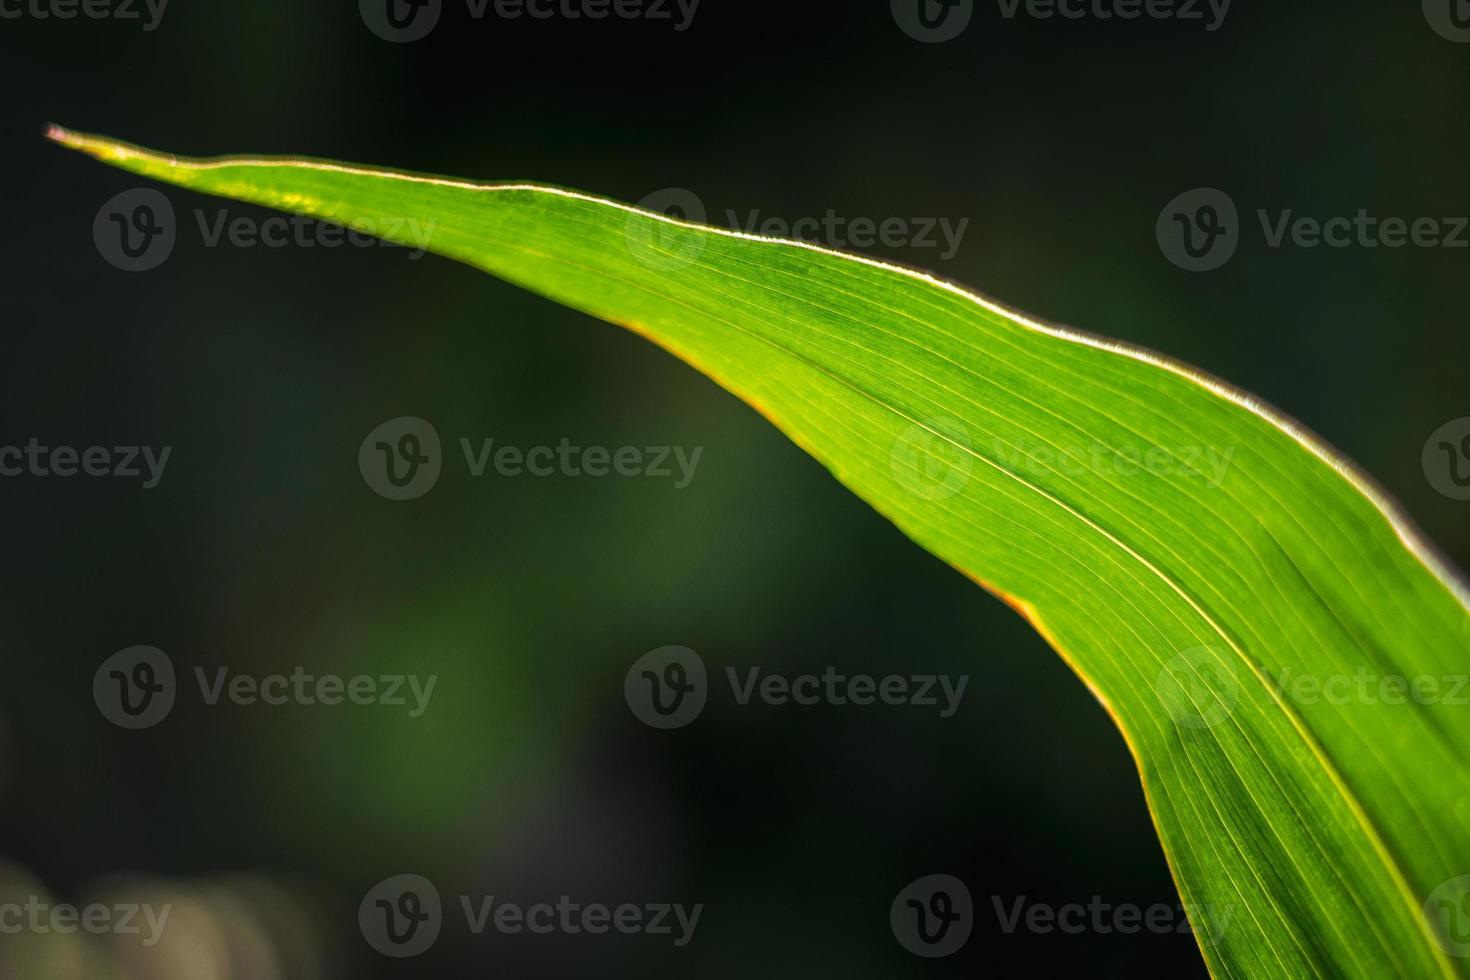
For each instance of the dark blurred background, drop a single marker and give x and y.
(528, 777)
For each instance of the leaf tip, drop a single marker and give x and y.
(60, 134)
(73, 140)
(97, 146)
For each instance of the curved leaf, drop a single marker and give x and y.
(1261, 623)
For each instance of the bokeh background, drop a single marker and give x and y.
(262, 548)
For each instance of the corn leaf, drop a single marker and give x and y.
(1283, 654)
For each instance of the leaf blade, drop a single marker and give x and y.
(1178, 602)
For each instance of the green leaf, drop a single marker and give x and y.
(1241, 601)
